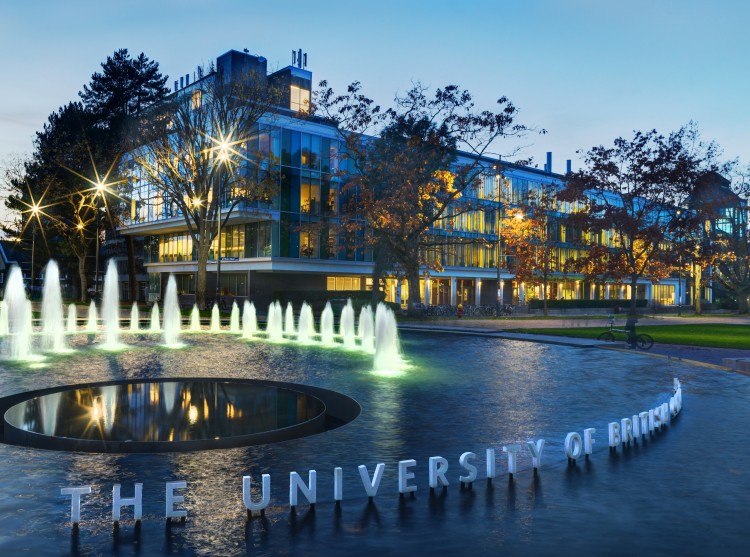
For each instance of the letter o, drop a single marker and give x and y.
(573, 445)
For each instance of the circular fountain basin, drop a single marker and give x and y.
(166, 415)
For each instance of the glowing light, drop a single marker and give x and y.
(197, 202)
(519, 216)
(193, 414)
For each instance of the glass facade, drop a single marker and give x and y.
(307, 200)
(301, 221)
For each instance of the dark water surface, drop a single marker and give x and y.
(683, 491)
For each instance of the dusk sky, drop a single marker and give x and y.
(587, 71)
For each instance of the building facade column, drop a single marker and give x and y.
(453, 291)
(477, 291)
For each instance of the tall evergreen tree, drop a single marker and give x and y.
(59, 179)
(123, 88)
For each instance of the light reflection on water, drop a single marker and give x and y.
(461, 394)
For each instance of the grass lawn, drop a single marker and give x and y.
(715, 335)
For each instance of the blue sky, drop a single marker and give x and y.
(587, 71)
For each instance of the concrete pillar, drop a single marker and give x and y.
(649, 293)
(521, 296)
(477, 291)
(454, 297)
(398, 291)
(427, 290)
(606, 292)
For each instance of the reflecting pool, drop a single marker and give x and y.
(457, 394)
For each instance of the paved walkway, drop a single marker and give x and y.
(498, 329)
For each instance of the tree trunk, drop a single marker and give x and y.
(633, 296)
(82, 276)
(415, 296)
(200, 279)
(132, 284)
(742, 302)
(697, 272)
(377, 276)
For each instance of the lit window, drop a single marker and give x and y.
(299, 99)
(197, 99)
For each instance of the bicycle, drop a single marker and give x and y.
(506, 310)
(642, 340)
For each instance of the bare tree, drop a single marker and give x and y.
(194, 151)
(410, 177)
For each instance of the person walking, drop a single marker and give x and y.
(630, 328)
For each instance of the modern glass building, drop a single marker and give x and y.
(292, 243)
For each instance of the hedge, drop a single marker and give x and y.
(585, 304)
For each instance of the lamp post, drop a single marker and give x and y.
(34, 216)
(500, 258)
(223, 158)
(100, 188)
(679, 264)
(499, 245)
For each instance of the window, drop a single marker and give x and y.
(308, 245)
(196, 100)
(233, 284)
(300, 99)
(309, 199)
(343, 283)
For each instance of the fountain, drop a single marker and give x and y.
(387, 345)
(326, 325)
(172, 315)
(19, 317)
(249, 320)
(215, 319)
(53, 326)
(92, 324)
(366, 329)
(289, 319)
(111, 306)
(72, 326)
(376, 336)
(3, 318)
(195, 319)
(274, 322)
(234, 319)
(306, 325)
(134, 318)
(346, 325)
(155, 325)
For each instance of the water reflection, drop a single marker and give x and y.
(164, 411)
